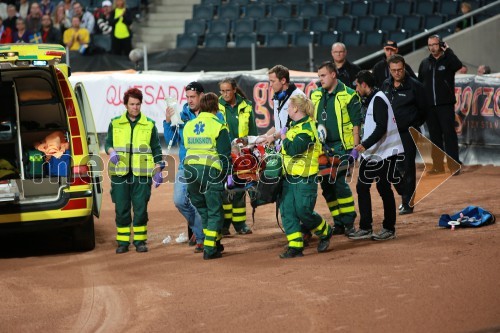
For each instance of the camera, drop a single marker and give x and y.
(441, 44)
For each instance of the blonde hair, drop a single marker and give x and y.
(304, 104)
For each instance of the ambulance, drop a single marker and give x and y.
(50, 170)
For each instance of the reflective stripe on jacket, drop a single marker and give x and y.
(244, 114)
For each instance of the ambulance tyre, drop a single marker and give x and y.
(84, 236)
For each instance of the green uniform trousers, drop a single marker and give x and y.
(205, 193)
(235, 210)
(297, 205)
(126, 192)
(338, 194)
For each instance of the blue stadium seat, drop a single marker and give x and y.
(344, 23)
(291, 25)
(229, 11)
(388, 22)
(367, 23)
(255, 10)
(359, 8)
(267, 25)
(374, 38)
(432, 21)
(352, 38)
(302, 38)
(277, 39)
(244, 25)
(449, 7)
(328, 38)
(245, 39)
(309, 9)
(402, 7)
(319, 23)
(197, 27)
(239, 2)
(281, 10)
(185, 41)
(425, 7)
(334, 8)
(221, 26)
(412, 22)
(203, 12)
(381, 8)
(217, 40)
(398, 35)
(211, 2)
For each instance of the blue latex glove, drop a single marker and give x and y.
(353, 156)
(157, 179)
(284, 130)
(114, 158)
(230, 182)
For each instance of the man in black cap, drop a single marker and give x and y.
(381, 68)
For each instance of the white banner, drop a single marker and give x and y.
(105, 93)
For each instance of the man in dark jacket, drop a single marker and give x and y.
(49, 33)
(381, 68)
(406, 96)
(347, 70)
(437, 74)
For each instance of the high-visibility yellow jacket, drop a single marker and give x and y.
(244, 116)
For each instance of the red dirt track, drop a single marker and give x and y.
(426, 280)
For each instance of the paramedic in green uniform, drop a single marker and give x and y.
(135, 155)
(338, 108)
(206, 165)
(301, 149)
(237, 111)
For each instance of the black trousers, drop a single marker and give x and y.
(441, 124)
(406, 169)
(121, 46)
(382, 174)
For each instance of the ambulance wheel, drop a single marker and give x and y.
(84, 236)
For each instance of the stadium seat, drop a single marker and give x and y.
(344, 23)
(281, 10)
(245, 39)
(328, 38)
(277, 39)
(256, 11)
(352, 38)
(319, 23)
(267, 25)
(309, 9)
(239, 2)
(291, 25)
(381, 8)
(359, 8)
(197, 27)
(203, 12)
(229, 11)
(302, 38)
(432, 21)
(398, 35)
(449, 7)
(211, 2)
(221, 26)
(334, 8)
(185, 41)
(217, 40)
(412, 22)
(244, 25)
(402, 7)
(425, 7)
(388, 22)
(367, 23)
(374, 38)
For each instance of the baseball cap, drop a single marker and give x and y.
(195, 86)
(106, 3)
(391, 44)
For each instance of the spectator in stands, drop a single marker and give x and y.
(47, 7)
(21, 34)
(12, 16)
(465, 8)
(68, 7)
(122, 18)
(104, 27)
(381, 68)
(5, 33)
(87, 20)
(407, 97)
(34, 19)
(463, 70)
(23, 8)
(437, 74)
(60, 20)
(347, 70)
(76, 36)
(483, 69)
(49, 33)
